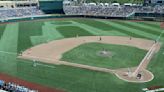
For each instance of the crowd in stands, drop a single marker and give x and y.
(6, 13)
(110, 10)
(150, 9)
(13, 87)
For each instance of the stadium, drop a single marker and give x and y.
(81, 46)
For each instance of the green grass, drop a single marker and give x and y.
(151, 24)
(65, 77)
(156, 66)
(135, 26)
(8, 64)
(123, 56)
(99, 24)
(2, 28)
(96, 24)
(61, 22)
(27, 30)
(135, 32)
(72, 31)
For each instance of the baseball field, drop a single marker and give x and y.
(17, 37)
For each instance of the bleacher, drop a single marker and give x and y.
(111, 10)
(6, 13)
(16, 9)
(13, 87)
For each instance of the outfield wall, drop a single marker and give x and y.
(28, 18)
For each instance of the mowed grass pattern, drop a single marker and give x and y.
(73, 31)
(96, 24)
(27, 30)
(61, 22)
(75, 79)
(2, 28)
(139, 27)
(121, 56)
(101, 25)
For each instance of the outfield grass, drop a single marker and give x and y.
(96, 24)
(104, 26)
(27, 30)
(61, 22)
(151, 24)
(123, 56)
(142, 28)
(2, 28)
(72, 31)
(69, 78)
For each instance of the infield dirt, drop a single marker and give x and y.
(51, 52)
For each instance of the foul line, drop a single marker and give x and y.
(147, 57)
(149, 54)
(36, 57)
(13, 53)
(159, 37)
(45, 65)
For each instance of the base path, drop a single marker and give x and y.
(51, 52)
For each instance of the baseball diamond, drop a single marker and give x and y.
(81, 46)
(52, 52)
(55, 51)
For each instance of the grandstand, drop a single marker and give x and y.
(14, 9)
(13, 87)
(78, 55)
(153, 2)
(112, 10)
(19, 4)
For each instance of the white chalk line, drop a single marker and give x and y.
(37, 63)
(149, 54)
(159, 37)
(45, 65)
(12, 53)
(147, 57)
(34, 58)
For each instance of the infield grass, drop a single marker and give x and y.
(64, 77)
(120, 56)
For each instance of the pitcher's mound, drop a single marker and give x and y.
(104, 53)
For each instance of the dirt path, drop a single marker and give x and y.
(52, 52)
(145, 61)
(30, 85)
